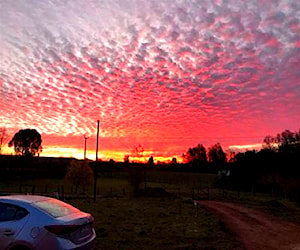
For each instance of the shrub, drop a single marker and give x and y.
(79, 174)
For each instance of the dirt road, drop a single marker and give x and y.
(255, 229)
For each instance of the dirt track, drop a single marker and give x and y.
(255, 229)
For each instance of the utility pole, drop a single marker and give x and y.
(85, 138)
(96, 164)
(97, 140)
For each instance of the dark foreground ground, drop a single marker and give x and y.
(174, 221)
(156, 223)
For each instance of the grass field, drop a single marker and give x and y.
(178, 183)
(122, 222)
(155, 223)
(174, 222)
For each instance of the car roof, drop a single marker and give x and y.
(24, 198)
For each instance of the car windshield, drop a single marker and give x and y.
(56, 208)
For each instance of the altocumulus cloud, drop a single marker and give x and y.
(170, 73)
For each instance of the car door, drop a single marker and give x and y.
(12, 220)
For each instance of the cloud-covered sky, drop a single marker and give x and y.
(165, 74)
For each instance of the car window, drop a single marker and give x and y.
(56, 208)
(20, 213)
(9, 212)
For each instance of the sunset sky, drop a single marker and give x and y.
(164, 74)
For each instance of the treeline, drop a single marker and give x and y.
(280, 154)
(282, 157)
(198, 159)
(274, 169)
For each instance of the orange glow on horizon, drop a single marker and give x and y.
(118, 155)
(105, 155)
(246, 147)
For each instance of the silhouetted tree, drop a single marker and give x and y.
(137, 152)
(288, 141)
(27, 142)
(151, 161)
(216, 156)
(272, 168)
(196, 156)
(174, 161)
(286, 138)
(284, 141)
(126, 158)
(270, 143)
(3, 137)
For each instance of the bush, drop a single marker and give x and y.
(79, 174)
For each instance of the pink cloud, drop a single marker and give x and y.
(165, 73)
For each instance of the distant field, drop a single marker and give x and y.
(178, 183)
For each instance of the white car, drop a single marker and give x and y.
(38, 222)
